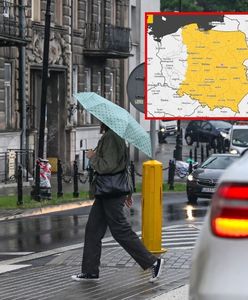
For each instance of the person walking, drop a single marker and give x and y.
(110, 157)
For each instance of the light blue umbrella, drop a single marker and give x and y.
(116, 118)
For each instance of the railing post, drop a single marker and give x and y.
(27, 163)
(37, 182)
(219, 146)
(6, 168)
(207, 150)
(19, 186)
(190, 154)
(59, 179)
(91, 176)
(171, 174)
(215, 150)
(197, 141)
(202, 153)
(133, 175)
(190, 167)
(195, 154)
(75, 180)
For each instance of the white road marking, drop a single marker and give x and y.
(8, 268)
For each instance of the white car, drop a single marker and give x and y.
(238, 138)
(220, 259)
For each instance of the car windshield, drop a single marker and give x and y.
(240, 137)
(221, 124)
(218, 162)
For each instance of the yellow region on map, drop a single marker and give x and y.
(216, 74)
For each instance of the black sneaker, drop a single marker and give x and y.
(156, 270)
(85, 277)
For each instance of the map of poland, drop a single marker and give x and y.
(197, 66)
(214, 60)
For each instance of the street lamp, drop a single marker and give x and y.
(44, 80)
(179, 142)
(43, 101)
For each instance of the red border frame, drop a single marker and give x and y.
(146, 80)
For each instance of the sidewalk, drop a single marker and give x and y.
(47, 276)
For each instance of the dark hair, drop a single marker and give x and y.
(103, 128)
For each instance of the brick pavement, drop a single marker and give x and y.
(121, 278)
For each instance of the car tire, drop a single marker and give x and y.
(189, 140)
(192, 199)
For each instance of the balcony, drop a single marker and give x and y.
(9, 25)
(106, 40)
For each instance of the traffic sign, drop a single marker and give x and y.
(135, 87)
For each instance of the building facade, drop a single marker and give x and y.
(89, 44)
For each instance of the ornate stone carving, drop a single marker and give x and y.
(59, 50)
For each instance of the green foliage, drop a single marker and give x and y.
(10, 202)
(204, 5)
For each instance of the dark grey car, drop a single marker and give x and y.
(202, 181)
(207, 131)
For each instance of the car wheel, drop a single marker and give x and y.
(189, 140)
(192, 199)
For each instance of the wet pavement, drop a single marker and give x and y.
(59, 229)
(47, 275)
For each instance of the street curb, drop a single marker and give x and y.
(48, 209)
(60, 207)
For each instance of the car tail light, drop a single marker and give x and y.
(229, 211)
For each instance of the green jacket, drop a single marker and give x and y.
(111, 154)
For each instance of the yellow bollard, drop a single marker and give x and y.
(152, 180)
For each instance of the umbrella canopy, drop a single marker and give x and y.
(116, 118)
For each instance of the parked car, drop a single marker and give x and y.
(166, 128)
(238, 138)
(202, 181)
(219, 264)
(207, 131)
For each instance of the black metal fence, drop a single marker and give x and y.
(11, 160)
(107, 37)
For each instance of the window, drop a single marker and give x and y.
(113, 12)
(206, 126)
(87, 88)
(7, 95)
(75, 14)
(35, 10)
(6, 7)
(59, 12)
(99, 12)
(134, 25)
(74, 79)
(87, 11)
(99, 83)
(112, 87)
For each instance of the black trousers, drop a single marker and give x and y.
(109, 212)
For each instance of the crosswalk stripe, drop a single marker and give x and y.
(179, 236)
